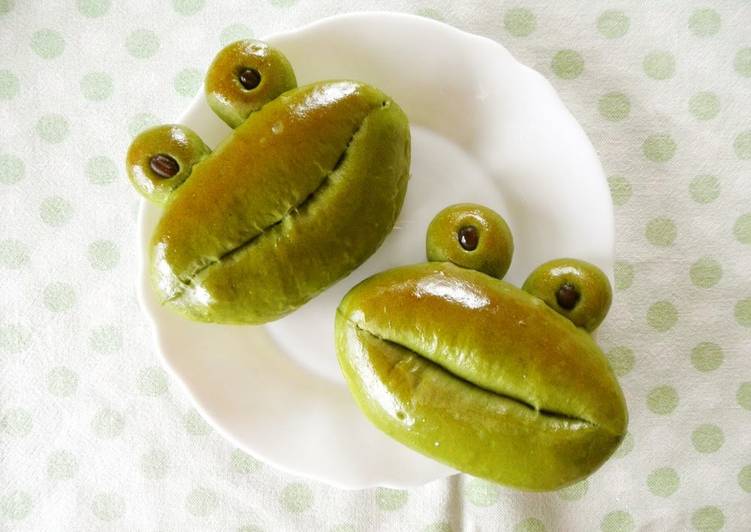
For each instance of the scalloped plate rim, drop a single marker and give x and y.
(142, 275)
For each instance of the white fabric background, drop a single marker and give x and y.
(95, 436)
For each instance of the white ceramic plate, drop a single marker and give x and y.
(485, 129)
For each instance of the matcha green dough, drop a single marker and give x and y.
(578, 290)
(304, 189)
(471, 236)
(478, 374)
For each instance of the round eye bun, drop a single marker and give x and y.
(244, 76)
(471, 236)
(161, 158)
(575, 289)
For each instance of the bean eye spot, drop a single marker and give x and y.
(469, 237)
(249, 78)
(567, 296)
(164, 165)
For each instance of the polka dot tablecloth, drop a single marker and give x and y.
(94, 435)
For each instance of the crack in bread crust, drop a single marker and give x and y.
(547, 413)
(187, 281)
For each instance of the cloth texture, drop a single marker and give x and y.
(94, 435)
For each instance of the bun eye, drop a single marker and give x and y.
(243, 77)
(575, 289)
(471, 236)
(160, 159)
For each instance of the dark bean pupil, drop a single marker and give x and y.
(567, 296)
(250, 78)
(469, 237)
(164, 166)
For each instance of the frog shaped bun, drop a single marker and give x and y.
(304, 189)
(502, 383)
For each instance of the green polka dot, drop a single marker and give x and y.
(626, 446)
(108, 424)
(481, 492)
(47, 44)
(296, 498)
(101, 170)
(742, 229)
(244, 463)
(235, 32)
(613, 24)
(62, 465)
(103, 255)
(659, 148)
(620, 190)
(201, 502)
(282, 3)
(389, 499)
(708, 519)
(16, 422)
(155, 464)
(530, 524)
(438, 526)
(707, 356)
(15, 506)
(624, 275)
(52, 128)
(62, 381)
(13, 254)
(743, 312)
(663, 482)
(659, 65)
(704, 188)
(704, 22)
(152, 381)
(617, 521)
(9, 85)
(743, 396)
(188, 7)
(106, 339)
(55, 211)
(344, 527)
(96, 86)
(705, 272)
(567, 64)
(621, 360)
(188, 81)
(12, 169)
(195, 424)
(519, 22)
(574, 492)
(429, 12)
(142, 43)
(704, 105)
(662, 400)
(14, 338)
(744, 478)
(742, 62)
(707, 438)
(6, 6)
(661, 232)
(141, 121)
(742, 145)
(93, 8)
(108, 506)
(59, 297)
(614, 106)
